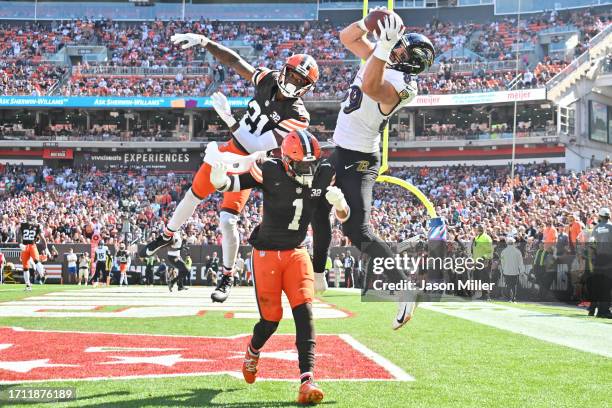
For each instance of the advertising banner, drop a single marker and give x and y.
(170, 102)
(58, 154)
(115, 102)
(177, 161)
(521, 95)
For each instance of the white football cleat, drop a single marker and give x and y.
(405, 311)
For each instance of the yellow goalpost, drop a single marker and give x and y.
(431, 211)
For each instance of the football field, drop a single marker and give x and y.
(145, 347)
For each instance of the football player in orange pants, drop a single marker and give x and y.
(293, 188)
(275, 110)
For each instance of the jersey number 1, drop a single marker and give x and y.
(298, 203)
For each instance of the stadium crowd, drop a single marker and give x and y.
(146, 45)
(131, 204)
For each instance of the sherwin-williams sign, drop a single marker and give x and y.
(115, 102)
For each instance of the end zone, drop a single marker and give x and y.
(38, 355)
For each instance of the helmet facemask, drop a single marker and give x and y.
(302, 171)
(293, 83)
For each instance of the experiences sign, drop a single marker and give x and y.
(177, 161)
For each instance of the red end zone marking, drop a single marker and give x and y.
(56, 355)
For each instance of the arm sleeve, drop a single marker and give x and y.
(244, 181)
(297, 119)
(321, 235)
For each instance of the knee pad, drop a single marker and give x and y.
(228, 222)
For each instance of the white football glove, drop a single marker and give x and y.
(218, 176)
(391, 30)
(335, 197)
(22, 247)
(320, 283)
(223, 109)
(413, 90)
(190, 40)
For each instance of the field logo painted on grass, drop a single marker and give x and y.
(32, 355)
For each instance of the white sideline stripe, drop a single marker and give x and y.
(583, 335)
(391, 368)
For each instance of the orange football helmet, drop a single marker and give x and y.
(300, 153)
(298, 75)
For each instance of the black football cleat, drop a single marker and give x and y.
(221, 293)
(152, 247)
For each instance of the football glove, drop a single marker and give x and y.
(223, 109)
(413, 90)
(190, 40)
(320, 282)
(335, 197)
(22, 247)
(218, 176)
(391, 30)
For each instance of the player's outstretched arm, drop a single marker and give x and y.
(233, 183)
(374, 85)
(224, 55)
(354, 38)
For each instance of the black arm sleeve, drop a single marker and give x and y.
(321, 235)
(246, 181)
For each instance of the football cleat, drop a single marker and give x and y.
(405, 311)
(223, 289)
(152, 247)
(310, 393)
(249, 367)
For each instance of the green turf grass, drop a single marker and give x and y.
(456, 363)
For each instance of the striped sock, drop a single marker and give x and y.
(253, 351)
(307, 376)
(168, 234)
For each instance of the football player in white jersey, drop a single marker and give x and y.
(377, 92)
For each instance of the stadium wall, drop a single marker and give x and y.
(189, 160)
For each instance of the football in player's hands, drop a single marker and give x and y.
(373, 17)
